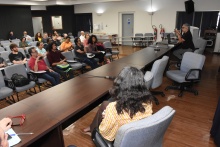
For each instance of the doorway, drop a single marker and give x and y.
(127, 28)
(37, 25)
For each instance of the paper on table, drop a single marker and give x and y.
(15, 139)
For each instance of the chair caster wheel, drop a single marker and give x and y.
(163, 95)
(180, 95)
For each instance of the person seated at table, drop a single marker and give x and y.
(58, 43)
(82, 36)
(40, 49)
(2, 62)
(131, 101)
(5, 125)
(56, 59)
(80, 53)
(92, 48)
(37, 63)
(38, 37)
(11, 35)
(185, 42)
(66, 45)
(15, 56)
(23, 43)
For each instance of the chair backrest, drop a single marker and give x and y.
(192, 61)
(22, 51)
(16, 68)
(33, 43)
(68, 55)
(107, 44)
(158, 70)
(5, 55)
(138, 36)
(147, 132)
(46, 61)
(201, 44)
(6, 44)
(2, 82)
(2, 49)
(7, 48)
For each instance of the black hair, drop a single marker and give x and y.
(38, 43)
(22, 38)
(130, 91)
(90, 39)
(50, 46)
(76, 40)
(30, 50)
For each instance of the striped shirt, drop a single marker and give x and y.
(112, 121)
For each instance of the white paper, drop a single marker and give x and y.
(15, 139)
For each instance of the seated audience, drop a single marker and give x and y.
(82, 36)
(15, 56)
(85, 42)
(40, 49)
(55, 33)
(45, 37)
(23, 43)
(49, 40)
(131, 101)
(185, 42)
(64, 37)
(66, 45)
(37, 63)
(92, 48)
(38, 37)
(2, 62)
(56, 59)
(11, 35)
(28, 37)
(5, 125)
(58, 43)
(80, 53)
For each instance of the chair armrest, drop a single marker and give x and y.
(190, 72)
(9, 83)
(104, 142)
(32, 76)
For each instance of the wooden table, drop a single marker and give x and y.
(48, 112)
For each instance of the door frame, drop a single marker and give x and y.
(41, 23)
(120, 23)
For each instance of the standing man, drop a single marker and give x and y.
(36, 63)
(15, 56)
(185, 41)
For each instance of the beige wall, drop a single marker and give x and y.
(165, 13)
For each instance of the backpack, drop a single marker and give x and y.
(19, 80)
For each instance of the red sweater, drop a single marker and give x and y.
(41, 64)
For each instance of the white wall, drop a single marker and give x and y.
(165, 13)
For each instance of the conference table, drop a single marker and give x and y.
(52, 110)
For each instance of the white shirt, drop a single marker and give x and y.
(82, 38)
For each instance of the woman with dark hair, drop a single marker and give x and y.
(80, 53)
(92, 48)
(38, 37)
(23, 43)
(132, 102)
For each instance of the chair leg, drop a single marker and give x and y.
(156, 100)
(158, 93)
(35, 91)
(17, 96)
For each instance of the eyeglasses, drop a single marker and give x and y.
(18, 120)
